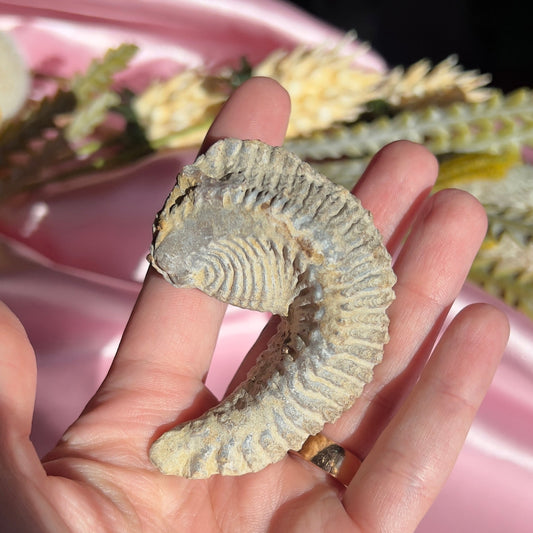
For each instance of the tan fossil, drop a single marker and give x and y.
(254, 226)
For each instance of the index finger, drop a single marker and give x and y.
(172, 332)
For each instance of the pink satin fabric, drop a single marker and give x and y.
(72, 259)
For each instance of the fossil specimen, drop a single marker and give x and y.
(256, 227)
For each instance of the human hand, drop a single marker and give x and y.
(408, 426)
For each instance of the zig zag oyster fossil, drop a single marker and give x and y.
(254, 226)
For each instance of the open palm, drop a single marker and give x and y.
(409, 425)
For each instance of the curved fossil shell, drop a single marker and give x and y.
(254, 226)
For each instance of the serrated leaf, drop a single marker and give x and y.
(99, 75)
(510, 221)
(515, 288)
(86, 118)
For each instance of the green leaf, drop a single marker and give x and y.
(241, 74)
(40, 117)
(88, 117)
(99, 75)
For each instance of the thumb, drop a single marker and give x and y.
(18, 374)
(23, 489)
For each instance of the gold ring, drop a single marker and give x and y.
(330, 457)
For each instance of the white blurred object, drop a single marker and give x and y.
(14, 78)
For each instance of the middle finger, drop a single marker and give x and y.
(431, 269)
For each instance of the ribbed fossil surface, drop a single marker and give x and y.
(254, 226)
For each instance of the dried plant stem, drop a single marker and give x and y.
(499, 124)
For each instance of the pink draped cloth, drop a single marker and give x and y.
(72, 259)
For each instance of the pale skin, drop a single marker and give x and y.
(408, 427)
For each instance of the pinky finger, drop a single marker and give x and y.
(411, 460)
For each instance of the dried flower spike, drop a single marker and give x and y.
(324, 85)
(179, 111)
(422, 85)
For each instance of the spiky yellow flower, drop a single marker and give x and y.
(323, 84)
(14, 78)
(178, 112)
(421, 84)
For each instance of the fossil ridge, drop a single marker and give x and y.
(255, 227)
